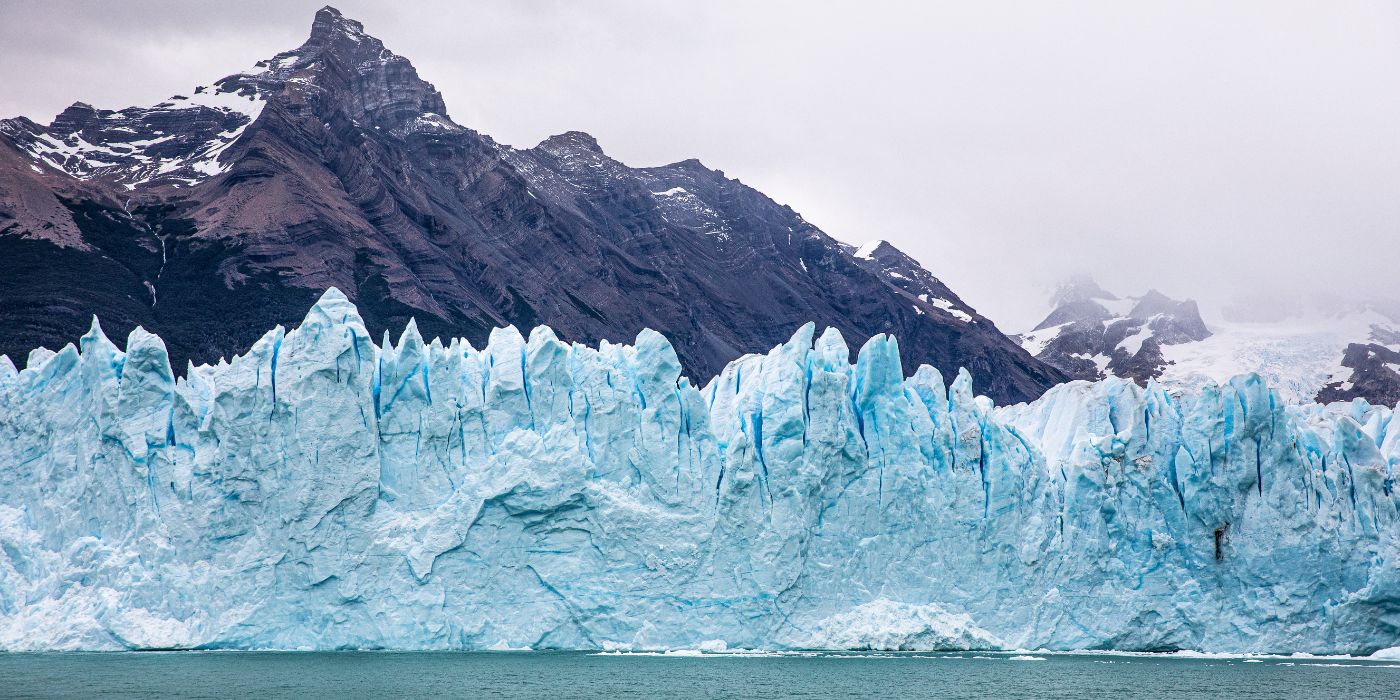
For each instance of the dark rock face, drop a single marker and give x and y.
(213, 216)
(1087, 339)
(1375, 372)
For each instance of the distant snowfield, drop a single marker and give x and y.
(1297, 357)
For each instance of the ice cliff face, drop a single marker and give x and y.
(323, 491)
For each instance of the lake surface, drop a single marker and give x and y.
(346, 675)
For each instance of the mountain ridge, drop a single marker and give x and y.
(335, 164)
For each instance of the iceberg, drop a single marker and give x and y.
(324, 491)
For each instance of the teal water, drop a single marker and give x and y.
(347, 675)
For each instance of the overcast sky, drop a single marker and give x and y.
(1211, 150)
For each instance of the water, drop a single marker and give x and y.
(347, 675)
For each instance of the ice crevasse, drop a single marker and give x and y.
(324, 491)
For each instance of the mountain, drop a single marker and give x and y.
(1337, 351)
(1092, 334)
(220, 212)
(326, 492)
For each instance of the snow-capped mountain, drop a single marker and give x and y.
(1335, 352)
(1092, 333)
(177, 142)
(325, 491)
(230, 207)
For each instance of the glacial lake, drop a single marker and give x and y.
(347, 675)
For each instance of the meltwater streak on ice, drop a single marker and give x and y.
(323, 491)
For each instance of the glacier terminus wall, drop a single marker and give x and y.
(324, 491)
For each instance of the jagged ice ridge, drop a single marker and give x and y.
(323, 491)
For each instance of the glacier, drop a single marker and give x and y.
(323, 491)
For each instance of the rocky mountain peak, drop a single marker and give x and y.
(355, 70)
(1079, 288)
(928, 293)
(330, 25)
(335, 36)
(1186, 314)
(892, 261)
(1155, 302)
(577, 156)
(571, 142)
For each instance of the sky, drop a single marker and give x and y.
(1227, 152)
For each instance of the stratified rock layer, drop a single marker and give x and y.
(324, 491)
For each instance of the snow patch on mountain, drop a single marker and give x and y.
(867, 251)
(948, 306)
